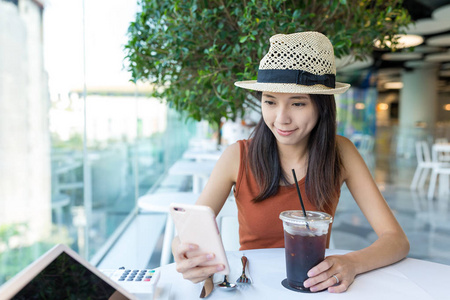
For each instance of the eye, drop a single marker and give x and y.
(298, 104)
(268, 102)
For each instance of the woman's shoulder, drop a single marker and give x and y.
(230, 160)
(351, 159)
(233, 148)
(239, 146)
(232, 152)
(345, 145)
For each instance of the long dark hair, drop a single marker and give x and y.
(324, 160)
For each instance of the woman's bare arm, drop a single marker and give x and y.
(214, 195)
(392, 244)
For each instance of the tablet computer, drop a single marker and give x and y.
(61, 273)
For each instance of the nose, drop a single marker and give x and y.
(283, 116)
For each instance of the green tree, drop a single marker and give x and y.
(193, 51)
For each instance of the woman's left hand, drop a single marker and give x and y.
(336, 273)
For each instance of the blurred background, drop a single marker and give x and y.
(80, 143)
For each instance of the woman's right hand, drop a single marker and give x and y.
(188, 261)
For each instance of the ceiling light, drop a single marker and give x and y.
(360, 105)
(439, 40)
(428, 49)
(403, 41)
(444, 73)
(393, 85)
(439, 57)
(447, 107)
(399, 56)
(417, 64)
(382, 106)
(349, 63)
(441, 13)
(428, 26)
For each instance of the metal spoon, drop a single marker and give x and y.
(225, 284)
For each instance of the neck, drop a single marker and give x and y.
(294, 157)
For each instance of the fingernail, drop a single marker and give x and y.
(220, 267)
(306, 283)
(209, 256)
(310, 274)
(191, 247)
(312, 289)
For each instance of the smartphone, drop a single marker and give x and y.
(196, 224)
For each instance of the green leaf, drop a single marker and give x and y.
(198, 49)
(242, 39)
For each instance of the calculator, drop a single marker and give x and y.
(136, 281)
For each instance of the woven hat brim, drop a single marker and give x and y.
(292, 87)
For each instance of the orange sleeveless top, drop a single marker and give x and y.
(259, 223)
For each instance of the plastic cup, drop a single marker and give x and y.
(304, 245)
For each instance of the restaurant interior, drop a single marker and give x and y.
(89, 160)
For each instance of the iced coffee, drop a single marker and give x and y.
(305, 242)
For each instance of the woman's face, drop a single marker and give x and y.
(290, 117)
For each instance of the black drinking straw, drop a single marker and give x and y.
(301, 201)
(299, 194)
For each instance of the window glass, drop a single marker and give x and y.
(79, 143)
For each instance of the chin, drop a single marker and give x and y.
(286, 141)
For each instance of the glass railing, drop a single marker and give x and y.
(73, 161)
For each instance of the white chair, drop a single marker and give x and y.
(444, 150)
(159, 203)
(441, 168)
(424, 165)
(228, 224)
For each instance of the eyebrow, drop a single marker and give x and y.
(296, 97)
(299, 97)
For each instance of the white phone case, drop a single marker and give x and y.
(196, 224)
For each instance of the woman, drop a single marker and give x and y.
(297, 131)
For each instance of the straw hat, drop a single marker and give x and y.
(300, 62)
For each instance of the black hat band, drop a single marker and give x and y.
(296, 76)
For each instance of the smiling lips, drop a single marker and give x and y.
(285, 132)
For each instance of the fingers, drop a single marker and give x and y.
(333, 274)
(181, 252)
(199, 274)
(342, 287)
(189, 264)
(192, 271)
(319, 273)
(332, 285)
(320, 268)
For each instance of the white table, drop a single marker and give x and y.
(408, 279)
(199, 170)
(202, 154)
